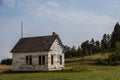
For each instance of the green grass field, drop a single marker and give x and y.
(73, 71)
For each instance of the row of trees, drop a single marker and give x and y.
(90, 47)
(6, 62)
(108, 44)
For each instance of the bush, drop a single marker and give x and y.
(114, 57)
(109, 61)
(101, 62)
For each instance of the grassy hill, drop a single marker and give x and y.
(88, 60)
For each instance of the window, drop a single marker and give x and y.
(26, 60)
(60, 59)
(42, 60)
(52, 59)
(29, 60)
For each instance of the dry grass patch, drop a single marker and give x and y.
(5, 67)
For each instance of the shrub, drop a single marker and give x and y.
(114, 57)
(101, 62)
(109, 61)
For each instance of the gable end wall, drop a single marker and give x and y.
(56, 50)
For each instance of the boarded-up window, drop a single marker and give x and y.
(60, 59)
(52, 59)
(29, 60)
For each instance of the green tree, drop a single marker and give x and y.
(97, 43)
(115, 37)
(115, 57)
(66, 48)
(85, 47)
(117, 48)
(97, 47)
(105, 43)
(92, 41)
(73, 48)
(92, 46)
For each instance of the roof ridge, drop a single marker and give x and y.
(37, 36)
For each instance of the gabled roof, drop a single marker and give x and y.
(35, 44)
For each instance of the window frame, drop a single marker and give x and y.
(29, 60)
(41, 60)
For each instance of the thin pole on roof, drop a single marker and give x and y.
(22, 29)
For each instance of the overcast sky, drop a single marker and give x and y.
(74, 20)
